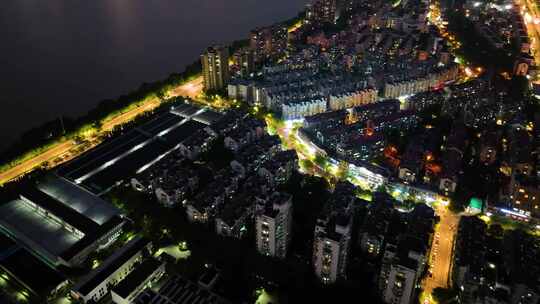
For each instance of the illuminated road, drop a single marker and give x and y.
(191, 89)
(441, 253)
(37, 161)
(69, 149)
(531, 17)
(441, 256)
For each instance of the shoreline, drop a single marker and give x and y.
(29, 146)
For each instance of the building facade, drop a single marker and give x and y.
(273, 226)
(215, 65)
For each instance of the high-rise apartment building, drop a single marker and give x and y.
(322, 11)
(332, 237)
(215, 65)
(269, 42)
(273, 225)
(244, 59)
(402, 267)
(331, 248)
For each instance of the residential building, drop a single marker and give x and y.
(215, 66)
(452, 157)
(405, 263)
(273, 225)
(525, 196)
(332, 236)
(268, 43)
(244, 61)
(279, 169)
(322, 11)
(198, 143)
(233, 217)
(375, 226)
(331, 248)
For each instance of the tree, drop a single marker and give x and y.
(443, 295)
(306, 164)
(161, 93)
(320, 160)
(381, 188)
(518, 88)
(343, 170)
(496, 231)
(97, 124)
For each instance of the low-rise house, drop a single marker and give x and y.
(280, 168)
(208, 203)
(411, 164)
(250, 158)
(196, 144)
(233, 217)
(171, 180)
(205, 205)
(245, 132)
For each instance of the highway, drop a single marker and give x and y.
(441, 255)
(69, 149)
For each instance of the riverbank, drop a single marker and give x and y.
(68, 138)
(51, 134)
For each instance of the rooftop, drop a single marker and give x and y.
(29, 271)
(137, 277)
(179, 290)
(21, 221)
(111, 265)
(79, 199)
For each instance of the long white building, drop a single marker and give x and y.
(99, 282)
(300, 109)
(413, 86)
(352, 99)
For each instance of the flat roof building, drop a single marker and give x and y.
(34, 280)
(115, 268)
(147, 272)
(60, 222)
(178, 290)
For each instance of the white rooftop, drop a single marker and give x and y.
(79, 199)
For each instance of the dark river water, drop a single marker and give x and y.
(61, 57)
